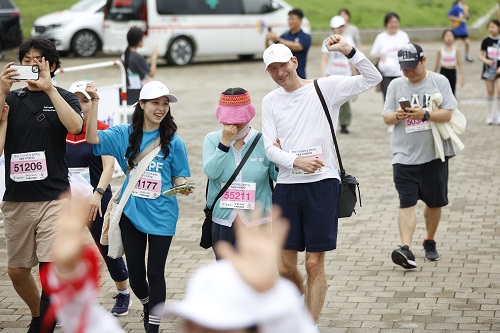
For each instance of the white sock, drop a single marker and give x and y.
(124, 291)
(498, 109)
(490, 108)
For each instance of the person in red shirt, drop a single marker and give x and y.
(97, 170)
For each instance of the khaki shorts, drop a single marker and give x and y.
(30, 228)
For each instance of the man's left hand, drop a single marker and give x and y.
(339, 44)
(44, 81)
(415, 112)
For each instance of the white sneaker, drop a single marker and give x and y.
(489, 120)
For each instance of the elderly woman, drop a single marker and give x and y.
(223, 151)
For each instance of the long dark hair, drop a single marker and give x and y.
(134, 36)
(167, 130)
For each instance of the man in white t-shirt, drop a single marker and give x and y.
(308, 182)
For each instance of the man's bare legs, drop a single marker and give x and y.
(316, 283)
(315, 287)
(26, 287)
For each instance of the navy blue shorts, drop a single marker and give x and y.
(312, 209)
(427, 182)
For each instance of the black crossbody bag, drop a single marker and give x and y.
(348, 199)
(206, 229)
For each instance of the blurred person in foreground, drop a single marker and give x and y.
(36, 172)
(295, 39)
(240, 294)
(417, 172)
(308, 184)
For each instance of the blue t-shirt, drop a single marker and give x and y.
(461, 29)
(304, 40)
(152, 216)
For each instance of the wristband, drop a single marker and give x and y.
(100, 191)
(352, 53)
(223, 148)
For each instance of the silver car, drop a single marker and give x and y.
(77, 29)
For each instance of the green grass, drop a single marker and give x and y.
(33, 9)
(366, 14)
(369, 14)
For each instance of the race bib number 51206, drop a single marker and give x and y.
(28, 167)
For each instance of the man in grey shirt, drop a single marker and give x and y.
(418, 173)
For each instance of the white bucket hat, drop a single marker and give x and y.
(217, 298)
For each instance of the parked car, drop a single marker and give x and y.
(183, 29)
(11, 34)
(77, 29)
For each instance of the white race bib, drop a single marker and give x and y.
(148, 186)
(28, 167)
(308, 152)
(239, 195)
(83, 171)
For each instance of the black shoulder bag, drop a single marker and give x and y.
(347, 200)
(206, 229)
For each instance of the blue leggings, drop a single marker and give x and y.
(116, 267)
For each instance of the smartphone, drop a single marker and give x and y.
(26, 72)
(404, 103)
(176, 189)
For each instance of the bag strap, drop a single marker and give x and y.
(143, 153)
(325, 108)
(141, 167)
(40, 117)
(235, 173)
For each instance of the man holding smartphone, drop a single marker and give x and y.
(418, 173)
(36, 172)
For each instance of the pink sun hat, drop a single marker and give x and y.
(235, 109)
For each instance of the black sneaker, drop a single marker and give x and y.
(430, 250)
(34, 326)
(343, 129)
(404, 257)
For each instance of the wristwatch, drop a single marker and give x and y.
(427, 115)
(99, 190)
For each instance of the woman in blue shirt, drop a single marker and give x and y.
(149, 218)
(223, 150)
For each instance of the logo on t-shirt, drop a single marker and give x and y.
(49, 109)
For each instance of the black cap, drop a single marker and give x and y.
(409, 56)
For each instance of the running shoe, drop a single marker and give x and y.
(430, 250)
(404, 257)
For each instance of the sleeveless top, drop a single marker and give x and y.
(448, 59)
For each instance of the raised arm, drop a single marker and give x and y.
(92, 137)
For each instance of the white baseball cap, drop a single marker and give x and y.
(156, 89)
(79, 86)
(276, 53)
(337, 22)
(219, 299)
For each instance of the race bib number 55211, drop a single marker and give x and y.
(28, 167)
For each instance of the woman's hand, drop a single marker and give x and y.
(228, 134)
(94, 206)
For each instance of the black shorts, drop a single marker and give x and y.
(461, 36)
(312, 209)
(427, 182)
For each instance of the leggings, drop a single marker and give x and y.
(385, 84)
(451, 75)
(116, 267)
(134, 243)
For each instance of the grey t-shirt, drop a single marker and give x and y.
(409, 145)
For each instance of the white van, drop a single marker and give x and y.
(182, 29)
